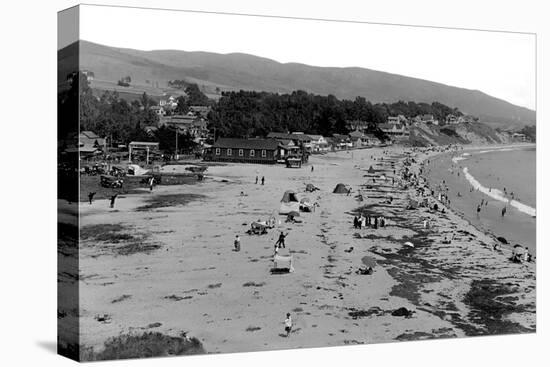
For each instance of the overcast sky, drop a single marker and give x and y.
(499, 64)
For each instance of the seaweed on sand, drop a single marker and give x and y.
(489, 304)
(112, 233)
(168, 200)
(115, 238)
(149, 344)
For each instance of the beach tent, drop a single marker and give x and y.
(371, 170)
(289, 203)
(340, 189)
(283, 263)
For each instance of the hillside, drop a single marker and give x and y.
(467, 133)
(217, 72)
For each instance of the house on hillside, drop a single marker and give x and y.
(519, 137)
(395, 130)
(263, 151)
(451, 119)
(201, 111)
(398, 120)
(159, 110)
(428, 119)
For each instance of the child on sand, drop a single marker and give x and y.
(288, 325)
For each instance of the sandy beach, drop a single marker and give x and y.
(172, 268)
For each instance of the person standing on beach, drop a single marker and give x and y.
(503, 211)
(349, 192)
(288, 325)
(312, 168)
(91, 197)
(113, 198)
(263, 180)
(256, 180)
(478, 210)
(151, 183)
(281, 241)
(237, 243)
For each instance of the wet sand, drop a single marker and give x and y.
(178, 271)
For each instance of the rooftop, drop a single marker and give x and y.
(236, 143)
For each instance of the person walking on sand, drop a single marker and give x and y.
(349, 192)
(478, 210)
(237, 243)
(256, 180)
(263, 180)
(281, 241)
(288, 325)
(312, 168)
(91, 197)
(113, 198)
(151, 183)
(503, 212)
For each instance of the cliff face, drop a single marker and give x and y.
(467, 133)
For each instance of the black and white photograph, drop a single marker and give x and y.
(235, 198)
(235, 179)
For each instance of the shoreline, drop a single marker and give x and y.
(483, 227)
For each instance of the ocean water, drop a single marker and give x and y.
(502, 178)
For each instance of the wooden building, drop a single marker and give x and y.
(263, 151)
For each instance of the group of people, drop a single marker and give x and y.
(263, 180)
(111, 199)
(368, 221)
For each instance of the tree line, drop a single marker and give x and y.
(249, 113)
(235, 114)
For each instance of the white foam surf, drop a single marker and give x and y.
(498, 195)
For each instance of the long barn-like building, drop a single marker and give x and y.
(263, 151)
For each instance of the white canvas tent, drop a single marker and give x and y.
(283, 263)
(289, 203)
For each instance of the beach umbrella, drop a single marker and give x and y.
(294, 213)
(409, 244)
(502, 240)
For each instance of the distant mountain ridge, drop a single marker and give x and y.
(242, 71)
